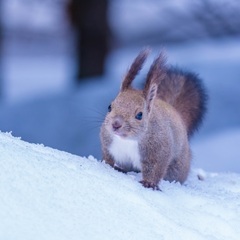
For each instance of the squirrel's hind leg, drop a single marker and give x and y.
(179, 168)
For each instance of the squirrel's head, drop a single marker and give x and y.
(128, 115)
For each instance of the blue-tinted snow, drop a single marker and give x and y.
(49, 194)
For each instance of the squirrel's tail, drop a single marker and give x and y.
(183, 90)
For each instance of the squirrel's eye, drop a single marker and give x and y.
(139, 116)
(110, 108)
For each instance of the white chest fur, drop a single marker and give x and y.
(125, 153)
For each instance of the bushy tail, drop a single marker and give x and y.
(183, 90)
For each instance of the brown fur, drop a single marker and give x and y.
(154, 123)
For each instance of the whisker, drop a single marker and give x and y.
(97, 111)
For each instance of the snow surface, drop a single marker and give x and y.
(50, 194)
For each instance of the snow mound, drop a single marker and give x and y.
(50, 194)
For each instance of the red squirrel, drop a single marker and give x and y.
(148, 130)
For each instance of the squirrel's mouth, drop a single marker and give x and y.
(119, 133)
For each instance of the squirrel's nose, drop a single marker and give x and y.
(116, 125)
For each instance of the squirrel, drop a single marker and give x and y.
(148, 130)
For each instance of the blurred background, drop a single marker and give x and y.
(62, 61)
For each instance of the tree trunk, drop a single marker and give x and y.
(89, 19)
(1, 40)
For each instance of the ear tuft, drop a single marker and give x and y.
(157, 72)
(134, 69)
(152, 93)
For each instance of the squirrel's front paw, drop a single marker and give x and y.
(148, 184)
(119, 169)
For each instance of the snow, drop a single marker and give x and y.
(50, 194)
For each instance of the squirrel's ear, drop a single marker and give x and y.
(157, 72)
(134, 69)
(152, 93)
